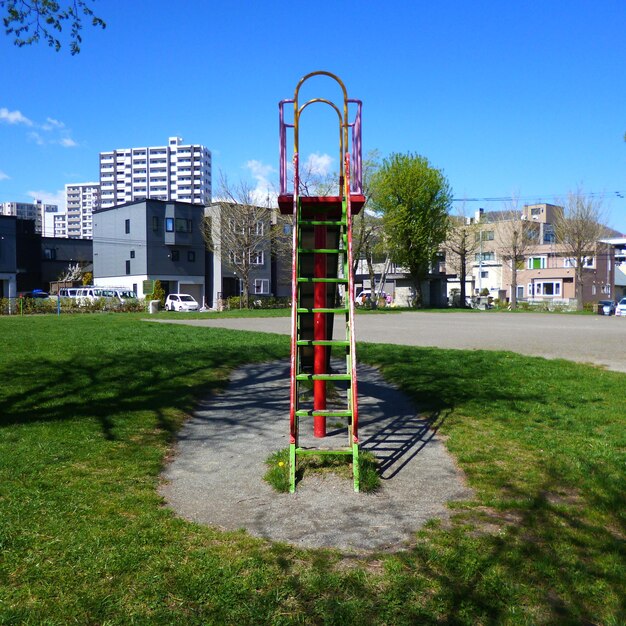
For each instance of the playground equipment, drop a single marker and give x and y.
(322, 283)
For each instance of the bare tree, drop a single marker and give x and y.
(72, 273)
(517, 236)
(578, 230)
(461, 244)
(244, 233)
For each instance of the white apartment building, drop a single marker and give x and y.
(173, 172)
(82, 200)
(36, 211)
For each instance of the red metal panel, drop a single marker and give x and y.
(294, 311)
(319, 331)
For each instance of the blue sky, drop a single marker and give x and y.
(507, 98)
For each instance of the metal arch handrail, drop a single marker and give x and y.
(341, 134)
(343, 120)
(345, 124)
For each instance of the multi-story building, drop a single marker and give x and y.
(177, 171)
(546, 273)
(82, 200)
(150, 240)
(8, 257)
(34, 211)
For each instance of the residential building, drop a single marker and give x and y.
(34, 211)
(8, 257)
(177, 171)
(82, 199)
(618, 244)
(546, 274)
(269, 256)
(148, 240)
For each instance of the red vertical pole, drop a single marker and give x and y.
(319, 332)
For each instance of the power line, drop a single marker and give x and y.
(590, 194)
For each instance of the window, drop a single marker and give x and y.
(520, 291)
(261, 285)
(175, 254)
(169, 224)
(257, 258)
(127, 226)
(132, 254)
(484, 274)
(537, 263)
(535, 211)
(155, 223)
(191, 256)
(587, 262)
(50, 254)
(485, 256)
(127, 267)
(260, 228)
(548, 288)
(485, 235)
(183, 225)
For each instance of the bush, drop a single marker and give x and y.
(260, 302)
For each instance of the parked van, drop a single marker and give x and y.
(90, 294)
(122, 294)
(68, 292)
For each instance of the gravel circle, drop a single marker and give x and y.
(216, 473)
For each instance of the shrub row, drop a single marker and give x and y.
(33, 306)
(260, 302)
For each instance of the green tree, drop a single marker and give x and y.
(158, 293)
(414, 199)
(30, 21)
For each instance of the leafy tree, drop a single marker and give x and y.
(578, 230)
(158, 292)
(414, 199)
(30, 21)
(460, 247)
(87, 278)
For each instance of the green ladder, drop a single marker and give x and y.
(321, 265)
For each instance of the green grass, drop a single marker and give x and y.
(277, 474)
(89, 406)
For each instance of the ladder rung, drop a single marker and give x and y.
(324, 412)
(323, 377)
(321, 452)
(319, 250)
(323, 280)
(322, 342)
(320, 223)
(323, 310)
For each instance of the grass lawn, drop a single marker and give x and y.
(90, 404)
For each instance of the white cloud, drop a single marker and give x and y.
(319, 164)
(264, 190)
(14, 117)
(52, 131)
(4, 176)
(49, 197)
(68, 142)
(36, 137)
(52, 123)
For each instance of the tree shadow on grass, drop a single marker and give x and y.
(108, 386)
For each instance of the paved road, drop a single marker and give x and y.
(584, 338)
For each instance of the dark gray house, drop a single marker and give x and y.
(150, 240)
(8, 257)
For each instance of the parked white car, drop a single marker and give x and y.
(620, 309)
(181, 302)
